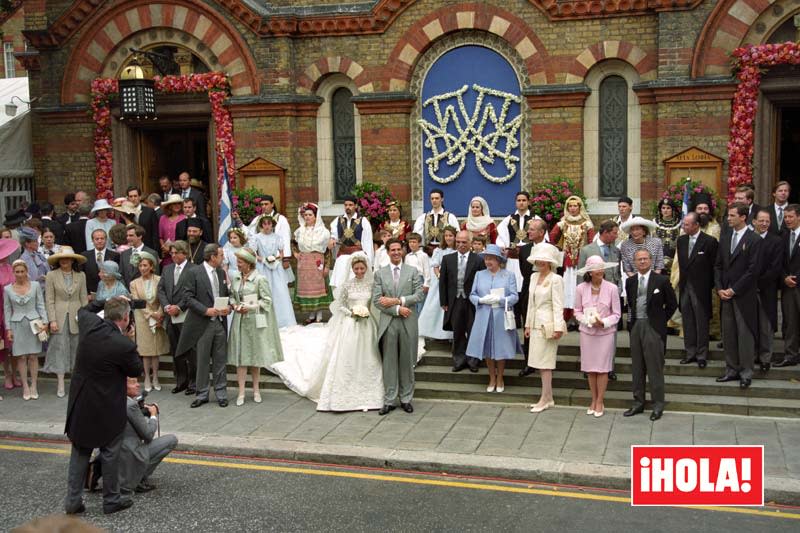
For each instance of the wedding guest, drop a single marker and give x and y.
(574, 231)
(254, 342)
(489, 338)
(381, 255)
(605, 246)
(537, 230)
(432, 223)
(769, 282)
(790, 295)
(23, 304)
(545, 323)
(236, 241)
(35, 260)
(75, 232)
(194, 238)
(639, 230)
(102, 212)
(598, 310)
(151, 336)
(512, 233)
(432, 314)
(268, 248)
(143, 215)
(313, 294)
(397, 227)
(110, 284)
(190, 189)
(70, 215)
(479, 221)
(172, 213)
(780, 195)
(479, 243)
(49, 246)
(49, 223)
(191, 212)
(8, 247)
(668, 228)
(134, 236)
(94, 260)
(65, 293)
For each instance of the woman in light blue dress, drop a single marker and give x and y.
(236, 242)
(489, 339)
(110, 285)
(268, 247)
(432, 315)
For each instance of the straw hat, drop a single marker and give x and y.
(126, 207)
(197, 184)
(595, 262)
(172, 199)
(649, 225)
(546, 252)
(493, 249)
(8, 247)
(66, 253)
(100, 205)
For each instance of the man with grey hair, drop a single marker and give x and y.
(205, 329)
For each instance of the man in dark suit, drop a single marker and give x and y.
(145, 217)
(736, 281)
(651, 303)
(95, 258)
(790, 295)
(743, 195)
(134, 234)
(780, 196)
(206, 328)
(72, 201)
(53, 225)
(187, 191)
(769, 283)
(190, 212)
(696, 252)
(75, 232)
(172, 299)
(97, 398)
(165, 188)
(536, 230)
(455, 283)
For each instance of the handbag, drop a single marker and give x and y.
(509, 320)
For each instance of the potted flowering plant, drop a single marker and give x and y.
(548, 199)
(246, 203)
(371, 200)
(674, 193)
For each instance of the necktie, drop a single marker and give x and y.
(215, 281)
(642, 289)
(186, 194)
(99, 258)
(780, 217)
(396, 276)
(604, 249)
(734, 241)
(177, 274)
(691, 243)
(792, 242)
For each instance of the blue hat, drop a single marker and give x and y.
(111, 268)
(493, 249)
(28, 234)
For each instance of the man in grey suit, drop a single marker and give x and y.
(141, 451)
(206, 328)
(397, 290)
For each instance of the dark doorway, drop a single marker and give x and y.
(172, 151)
(789, 149)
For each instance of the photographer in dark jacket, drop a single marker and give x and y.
(96, 413)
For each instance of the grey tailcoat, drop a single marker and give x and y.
(198, 297)
(408, 287)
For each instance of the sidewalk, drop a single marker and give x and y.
(561, 445)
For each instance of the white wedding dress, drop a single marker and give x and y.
(336, 364)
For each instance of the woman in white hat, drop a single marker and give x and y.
(639, 230)
(598, 311)
(172, 213)
(545, 323)
(64, 293)
(102, 212)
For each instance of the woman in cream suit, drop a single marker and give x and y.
(545, 320)
(65, 293)
(151, 337)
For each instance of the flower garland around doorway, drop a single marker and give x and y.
(217, 86)
(748, 63)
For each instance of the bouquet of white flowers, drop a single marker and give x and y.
(360, 311)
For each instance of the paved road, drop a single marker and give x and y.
(224, 494)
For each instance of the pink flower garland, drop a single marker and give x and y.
(748, 61)
(214, 83)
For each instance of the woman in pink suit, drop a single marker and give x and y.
(597, 310)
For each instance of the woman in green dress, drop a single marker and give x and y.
(254, 341)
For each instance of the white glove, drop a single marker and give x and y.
(485, 299)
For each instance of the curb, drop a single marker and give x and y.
(780, 490)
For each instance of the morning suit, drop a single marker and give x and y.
(141, 451)
(774, 227)
(97, 404)
(92, 269)
(170, 292)
(460, 312)
(397, 336)
(75, 235)
(770, 279)
(148, 219)
(130, 272)
(647, 323)
(726, 228)
(739, 271)
(790, 296)
(526, 269)
(695, 285)
(207, 335)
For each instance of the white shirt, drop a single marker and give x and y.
(211, 272)
(419, 223)
(366, 233)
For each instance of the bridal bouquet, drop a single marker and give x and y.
(360, 311)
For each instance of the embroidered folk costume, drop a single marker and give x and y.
(570, 234)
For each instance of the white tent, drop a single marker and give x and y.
(16, 154)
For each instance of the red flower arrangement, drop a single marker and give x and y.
(748, 62)
(548, 199)
(214, 83)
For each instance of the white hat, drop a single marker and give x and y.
(546, 252)
(638, 221)
(101, 204)
(172, 199)
(593, 263)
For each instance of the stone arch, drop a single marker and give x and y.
(313, 74)
(190, 17)
(468, 16)
(645, 64)
(769, 20)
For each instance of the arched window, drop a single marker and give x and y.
(613, 141)
(344, 143)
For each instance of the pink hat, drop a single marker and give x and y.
(8, 247)
(595, 262)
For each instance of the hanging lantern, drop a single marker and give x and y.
(137, 95)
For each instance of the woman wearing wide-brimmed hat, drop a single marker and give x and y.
(7, 248)
(151, 336)
(494, 291)
(110, 285)
(64, 293)
(545, 323)
(172, 213)
(598, 311)
(640, 231)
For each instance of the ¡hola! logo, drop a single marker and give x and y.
(697, 475)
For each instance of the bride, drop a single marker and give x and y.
(337, 364)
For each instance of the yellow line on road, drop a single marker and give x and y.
(415, 481)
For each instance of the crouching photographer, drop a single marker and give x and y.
(141, 450)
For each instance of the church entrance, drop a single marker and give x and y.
(788, 158)
(172, 150)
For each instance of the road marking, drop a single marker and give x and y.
(414, 481)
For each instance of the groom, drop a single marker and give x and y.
(397, 290)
